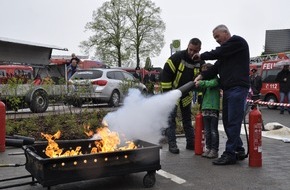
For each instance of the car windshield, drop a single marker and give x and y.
(93, 74)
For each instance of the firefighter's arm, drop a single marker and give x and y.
(167, 76)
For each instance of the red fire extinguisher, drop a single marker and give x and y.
(255, 137)
(199, 137)
(2, 126)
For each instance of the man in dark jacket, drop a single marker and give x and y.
(256, 83)
(178, 70)
(283, 78)
(72, 68)
(232, 65)
(137, 74)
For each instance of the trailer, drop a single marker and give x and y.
(19, 88)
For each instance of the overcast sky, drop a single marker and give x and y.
(62, 22)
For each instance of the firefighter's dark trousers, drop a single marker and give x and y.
(187, 126)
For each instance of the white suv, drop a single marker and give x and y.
(101, 85)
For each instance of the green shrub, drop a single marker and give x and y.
(70, 125)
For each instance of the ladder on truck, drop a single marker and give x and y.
(276, 56)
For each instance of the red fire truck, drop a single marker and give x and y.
(268, 72)
(83, 64)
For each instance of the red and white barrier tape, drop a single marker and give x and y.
(269, 103)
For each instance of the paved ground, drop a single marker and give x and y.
(183, 171)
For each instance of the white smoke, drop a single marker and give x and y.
(143, 117)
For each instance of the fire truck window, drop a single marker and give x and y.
(27, 74)
(2, 73)
(269, 75)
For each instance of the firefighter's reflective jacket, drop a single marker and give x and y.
(178, 70)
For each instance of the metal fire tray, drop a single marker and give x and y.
(54, 171)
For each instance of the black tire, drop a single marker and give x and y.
(115, 99)
(77, 103)
(39, 102)
(149, 180)
(272, 99)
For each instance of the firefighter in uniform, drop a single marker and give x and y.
(180, 69)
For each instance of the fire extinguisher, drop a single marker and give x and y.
(199, 136)
(2, 126)
(255, 137)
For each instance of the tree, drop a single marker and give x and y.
(147, 28)
(109, 25)
(126, 30)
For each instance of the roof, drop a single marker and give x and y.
(17, 51)
(277, 41)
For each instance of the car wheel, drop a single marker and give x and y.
(77, 103)
(115, 99)
(271, 99)
(39, 102)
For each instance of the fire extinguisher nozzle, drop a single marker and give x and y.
(187, 87)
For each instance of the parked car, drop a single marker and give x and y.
(153, 74)
(101, 85)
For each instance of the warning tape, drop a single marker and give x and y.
(268, 103)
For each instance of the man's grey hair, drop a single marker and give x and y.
(221, 27)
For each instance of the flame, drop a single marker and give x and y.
(107, 141)
(52, 150)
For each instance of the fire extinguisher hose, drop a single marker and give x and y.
(247, 136)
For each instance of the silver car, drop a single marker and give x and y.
(101, 85)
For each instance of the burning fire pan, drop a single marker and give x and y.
(54, 171)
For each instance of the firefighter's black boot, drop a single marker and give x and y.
(173, 148)
(190, 146)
